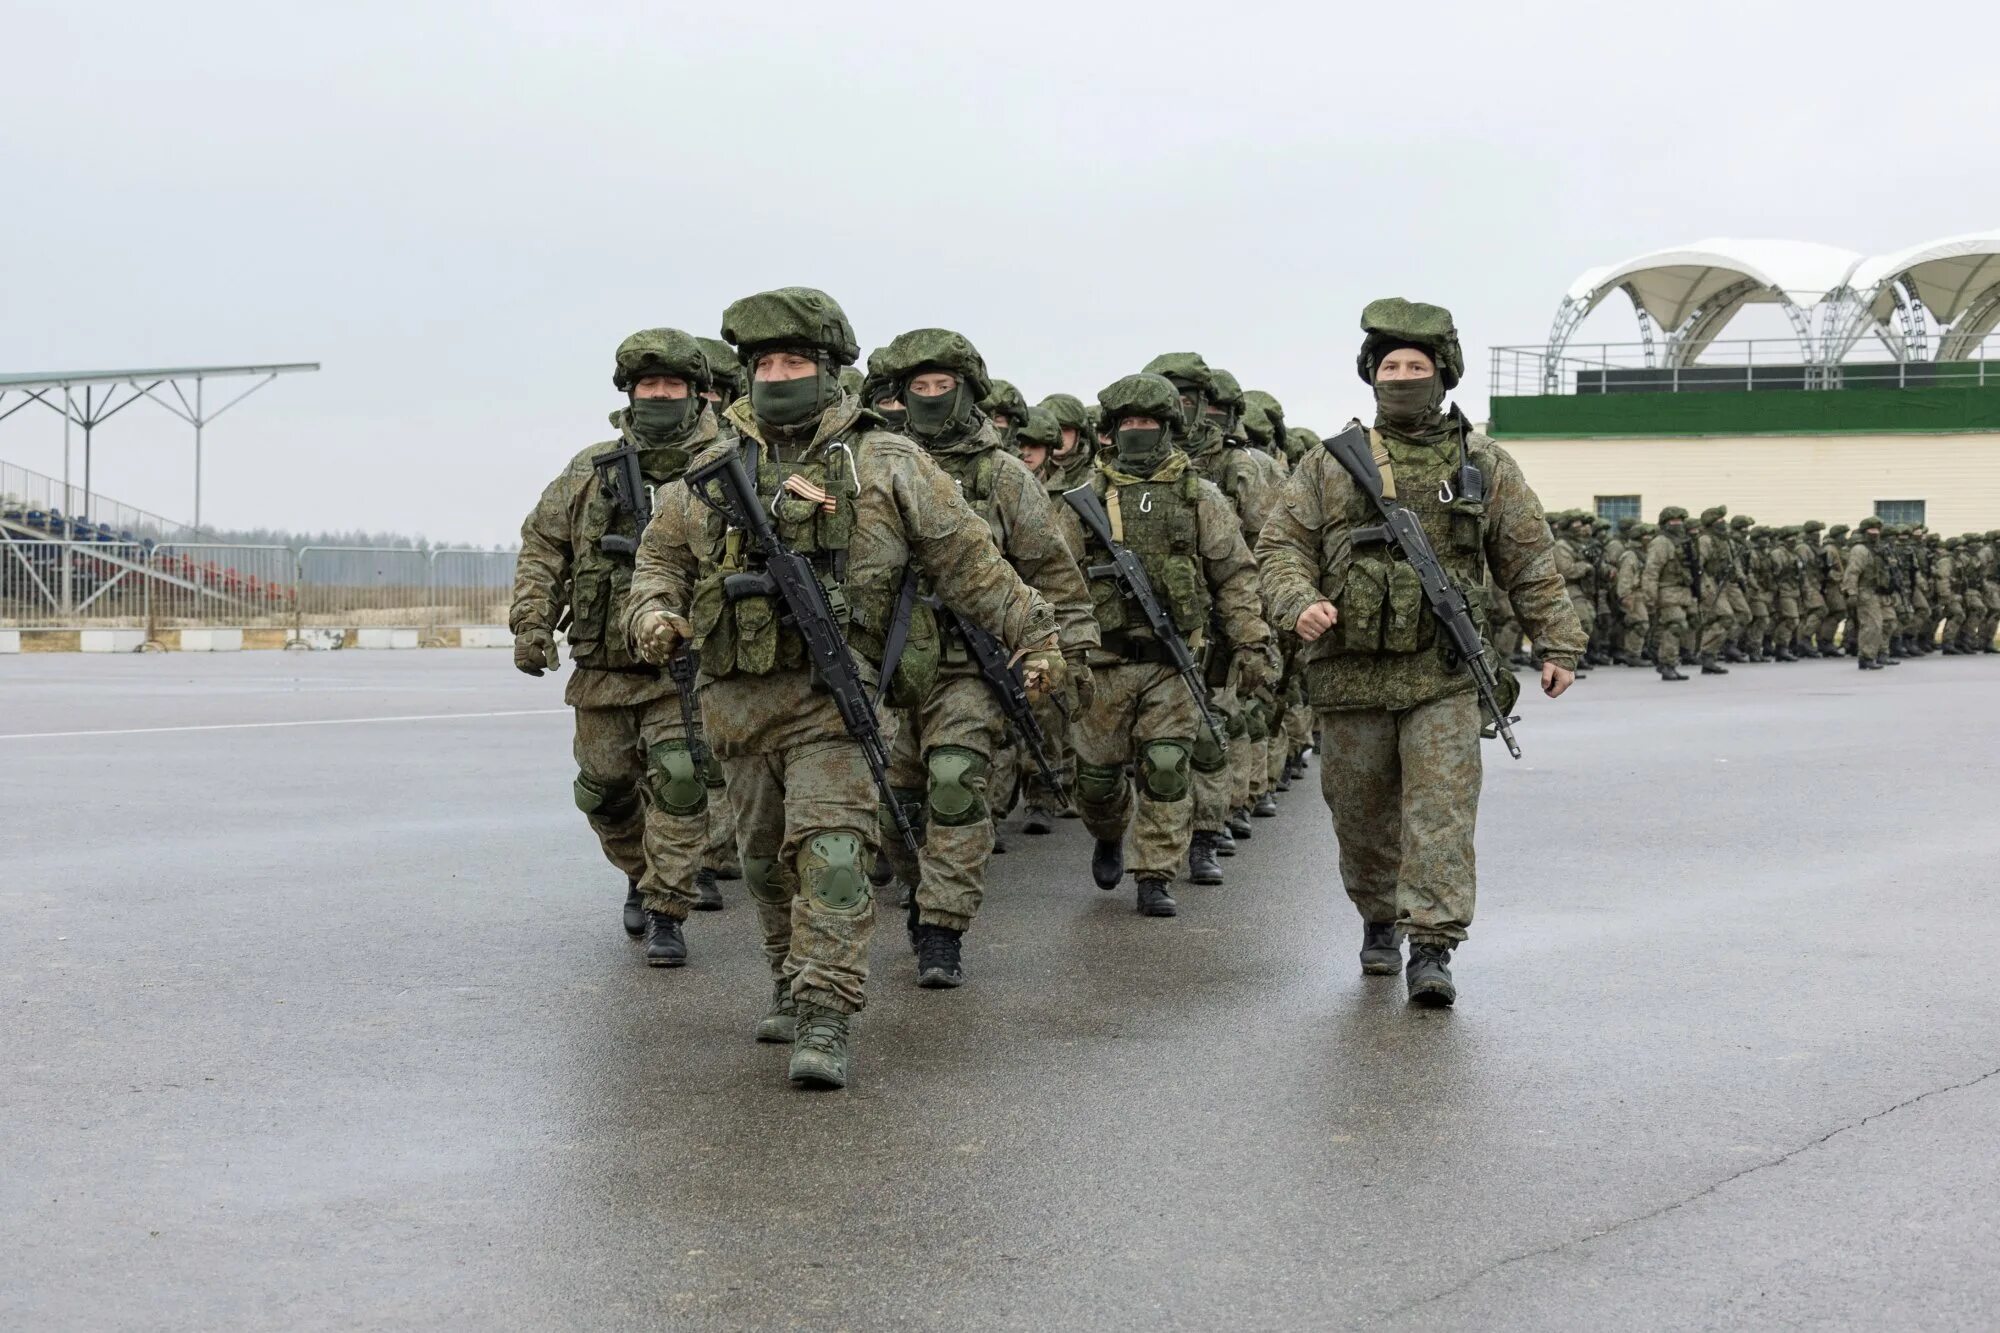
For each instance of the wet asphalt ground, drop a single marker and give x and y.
(333, 1026)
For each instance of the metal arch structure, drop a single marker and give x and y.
(99, 401)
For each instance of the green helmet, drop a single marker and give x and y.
(1640, 530)
(659, 352)
(790, 316)
(1672, 512)
(1741, 521)
(1143, 395)
(930, 349)
(1191, 376)
(850, 380)
(1299, 441)
(879, 385)
(1932, 539)
(1068, 410)
(1993, 535)
(1953, 543)
(726, 371)
(1838, 530)
(1870, 522)
(1040, 427)
(1274, 412)
(1003, 399)
(1812, 525)
(1393, 322)
(1227, 394)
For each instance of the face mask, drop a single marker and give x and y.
(1141, 448)
(1408, 402)
(662, 418)
(786, 402)
(929, 415)
(897, 417)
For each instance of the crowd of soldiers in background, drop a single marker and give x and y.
(1733, 590)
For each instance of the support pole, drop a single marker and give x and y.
(198, 423)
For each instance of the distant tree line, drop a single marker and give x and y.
(384, 541)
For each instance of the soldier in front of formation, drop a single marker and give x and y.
(638, 782)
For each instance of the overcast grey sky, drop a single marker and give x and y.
(460, 209)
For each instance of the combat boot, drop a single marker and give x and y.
(707, 896)
(1734, 654)
(819, 1048)
(1429, 976)
(1202, 868)
(1951, 650)
(1266, 807)
(1237, 821)
(1038, 821)
(635, 911)
(782, 1021)
(1381, 949)
(1154, 900)
(1710, 667)
(1671, 673)
(665, 946)
(1787, 655)
(1107, 862)
(727, 872)
(937, 957)
(1869, 664)
(1225, 842)
(999, 843)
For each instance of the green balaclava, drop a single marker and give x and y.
(1409, 407)
(933, 416)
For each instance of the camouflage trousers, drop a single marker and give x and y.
(1740, 614)
(1871, 623)
(1586, 612)
(1403, 787)
(622, 766)
(1137, 704)
(1757, 628)
(1215, 786)
(1717, 624)
(940, 765)
(1061, 755)
(1299, 726)
(1638, 625)
(720, 851)
(1827, 635)
(1785, 622)
(1672, 628)
(805, 808)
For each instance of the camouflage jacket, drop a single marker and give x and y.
(906, 512)
(556, 546)
(1026, 526)
(1306, 554)
(1244, 481)
(1670, 566)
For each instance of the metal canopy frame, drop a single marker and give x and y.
(100, 402)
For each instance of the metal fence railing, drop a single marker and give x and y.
(67, 512)
(204, 584)
(1739, 365)
(188, 585)
(57, 584)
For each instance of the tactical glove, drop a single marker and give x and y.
(1081, 685)
(535, 650)
(1254, 667)
(1043, 669)
(656, 634)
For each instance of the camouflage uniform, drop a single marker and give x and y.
(1781, 573)
(1832, 582)
(1221, 775)
(1579, 576)
(1812, 589)
(943, 756)
(1190, 541)
(1635, 615)
(1667, 586)
(1401, 722)
(1869, 584)
(636, 779)
(806, 806)
(1717, 621)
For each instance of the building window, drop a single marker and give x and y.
(1900, 511)
(1611, 508)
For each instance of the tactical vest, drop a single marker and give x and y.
(1378, 595)
(974, 474)
(1160, 523)
(599, 583)
(1881, 578)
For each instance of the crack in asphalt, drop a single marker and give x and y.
(1702, 1193)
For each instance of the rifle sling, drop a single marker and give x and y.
(897, 636)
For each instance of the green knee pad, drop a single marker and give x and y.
(1208, 753)
(757, 875)
(675, 781)
(1098, 784)
(1257, 724)
(912, 801)
(1163, 771)
(957, 794)
(606, 800)
(830, 871)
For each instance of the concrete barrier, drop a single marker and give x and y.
(485, 636)
(375, 637)
(110, 640)
(211, 641)
(10, 641)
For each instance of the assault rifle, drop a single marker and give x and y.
(618, 473)
(789, 577)
(1400, 528)
(1130, 576)
(997, 669)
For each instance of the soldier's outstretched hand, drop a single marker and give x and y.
(1556, 679)
(658, 634)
